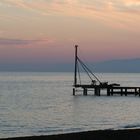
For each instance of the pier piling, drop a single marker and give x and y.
(85, 91)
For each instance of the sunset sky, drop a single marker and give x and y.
(45, 31)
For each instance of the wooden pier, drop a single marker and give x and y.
(110, 90)
(96, 85)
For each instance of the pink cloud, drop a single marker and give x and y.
(132, 3)
(25, 42)
(118, 14)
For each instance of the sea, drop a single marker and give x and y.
(42, 103)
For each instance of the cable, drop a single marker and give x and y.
(84, 68)
(88, 70)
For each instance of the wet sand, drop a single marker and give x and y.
(129, 134)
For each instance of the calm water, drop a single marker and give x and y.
(42, 103)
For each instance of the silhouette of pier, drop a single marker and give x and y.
(96, 85)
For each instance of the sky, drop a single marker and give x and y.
(45, 31)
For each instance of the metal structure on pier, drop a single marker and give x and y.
(96, 85)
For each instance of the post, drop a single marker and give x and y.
(136, 91)
(73, 91)
(97, 91)
(75, 73)
(108, 91)
(85, 91)
(112, 91)
(125, 92)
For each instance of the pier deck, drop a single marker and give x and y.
(110, 90)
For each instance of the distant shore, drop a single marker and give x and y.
(127, 134)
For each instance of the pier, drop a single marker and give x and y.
(96, 85)
(110, 90)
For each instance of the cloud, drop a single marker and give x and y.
(14, 42)
(42, 6)
(133, 3)
(117, 14)
(16, 3)
(72, 7)
(21, 42)
(69, 6)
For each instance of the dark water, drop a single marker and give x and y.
(42, 103)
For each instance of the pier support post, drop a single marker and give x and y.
(122, 91)
(85, 91)
(112, 91)
(125, 92)
(136, 91)
(97, 91)
(108, 91)
(73, 91)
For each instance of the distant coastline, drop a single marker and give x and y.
(111, 66)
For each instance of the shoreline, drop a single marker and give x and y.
(126, 134)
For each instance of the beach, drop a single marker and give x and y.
(127, 134)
